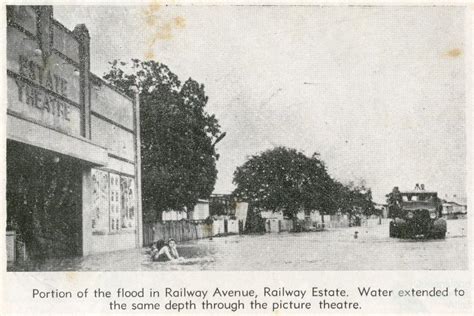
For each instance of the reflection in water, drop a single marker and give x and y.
(329, 250)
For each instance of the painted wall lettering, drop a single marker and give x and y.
(43, 76)
(42, 100)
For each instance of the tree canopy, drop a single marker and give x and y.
(355, 199)
(286, 179)
(178, 136)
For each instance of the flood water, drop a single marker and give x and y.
(334, 249)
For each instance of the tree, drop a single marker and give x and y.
(367, 203)
(322, 192)
(355, 199)
(178, 136)
(285, 179)
(254, 223)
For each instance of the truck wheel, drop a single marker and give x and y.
(439, 229)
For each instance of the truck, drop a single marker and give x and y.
(415, 214)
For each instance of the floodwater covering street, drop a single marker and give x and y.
(333, 249)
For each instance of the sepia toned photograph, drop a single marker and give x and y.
(236, 138)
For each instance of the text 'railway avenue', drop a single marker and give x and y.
(218, 292)
(266, 291)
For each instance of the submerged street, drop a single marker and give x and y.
(333, 249)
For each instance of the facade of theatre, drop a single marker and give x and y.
(73, 146)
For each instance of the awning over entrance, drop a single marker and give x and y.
(36, 135)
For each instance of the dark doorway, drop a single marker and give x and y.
(44, 197)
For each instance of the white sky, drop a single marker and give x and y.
(386, 101)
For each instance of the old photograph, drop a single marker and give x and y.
(236, 138)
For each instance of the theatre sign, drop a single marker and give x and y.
(42, 96)
(59, 111)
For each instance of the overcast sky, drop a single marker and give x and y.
(384, 98)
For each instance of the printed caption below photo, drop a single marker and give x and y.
(234, 300)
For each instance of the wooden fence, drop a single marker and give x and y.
(178, 230)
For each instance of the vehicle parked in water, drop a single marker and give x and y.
(416, 214)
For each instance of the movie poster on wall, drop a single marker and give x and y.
(100, 201)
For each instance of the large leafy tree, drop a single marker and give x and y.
(285, 179)
(321, 191)
(178, 136)
(356, 199)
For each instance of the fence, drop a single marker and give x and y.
(187, 230)
(178, 230)
(371, 222)
(275, 225)
(337, 223)
(286, 225)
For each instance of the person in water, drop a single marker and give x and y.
(165, 252)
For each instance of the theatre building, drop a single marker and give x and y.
(73, 146)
